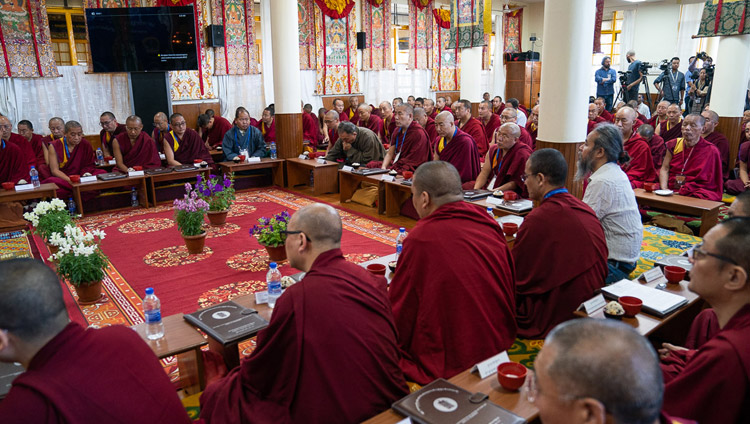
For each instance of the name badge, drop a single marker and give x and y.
(491, 185)
(593, 304)
(112, 162)
(24, 187)
(489, 366)
(398, 155)
(135, 174)
(388, 178)
(303, 157)
(90, 179)
(162, 156)
(652, 275)
(261, 297)
(347, 168)
(197, 165)
(253, 159)
(321, 161)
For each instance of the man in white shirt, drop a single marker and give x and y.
(643, 107)
(611, 197)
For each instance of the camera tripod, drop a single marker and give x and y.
(623, 93)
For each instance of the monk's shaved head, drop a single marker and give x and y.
(581, 356)
(175, 115)
(71, 125)
(711, 115)
(108, 114)
(365, 107)
(332, 115)
(56, 120)
(320, 222)
(444, 116)
(440, 180)
(160, 115)
(419, 113)
(4, 120)
(629, 112)
(741, 206)
(134, 119)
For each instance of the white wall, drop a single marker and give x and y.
(533, 22)
(656, 35)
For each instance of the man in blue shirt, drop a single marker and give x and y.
(605, 82)
(634, 76)
(243, 138)
(674, 83)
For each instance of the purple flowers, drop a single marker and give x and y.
(217, 191)
(268, 230)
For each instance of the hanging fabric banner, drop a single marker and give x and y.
(377, 26)
(336, 46)
(306, 26)
(335, 9)
(468, 23)
(598, 26)
(512, 31)
(446, 61)
(239, 57)
(26, 45)
(420, 34)
(725, 17)
(486, 52)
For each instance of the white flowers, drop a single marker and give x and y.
(77, 242)
(42, 208)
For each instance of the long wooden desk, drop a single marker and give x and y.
(140, 182)
(276, 166)
(231, 351)
(349, 183)
(41, 192)
(498, 211)
(325, 175)
(707, 210)
(174, 176)
(394, 192)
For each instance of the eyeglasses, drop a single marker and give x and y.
(105, 123)
(179, 124)
(6, 127)
(525, 177)
(287, 233)
(697, 253)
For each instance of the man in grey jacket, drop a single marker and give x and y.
(356, 145)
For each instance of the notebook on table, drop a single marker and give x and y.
(155, 171)
(183, 168)
(476, 194)
(519, 205)
(228, 322)
(370, 171)
(656, 302)
(111, 176)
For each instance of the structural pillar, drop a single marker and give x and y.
(568, 35)
(498, 72)
(728, 88)
(471, 75)
(286, 77)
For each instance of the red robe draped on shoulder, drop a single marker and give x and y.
(82, 159)
(474, 128)
(191, 147)
(352, 115)
(268, 131)
(412, 148)
(561, 260)
(670, 132)
(607, 116)
(389, 127)
(701, 166)
(533, 130)
(460, 152)
(736, 186)
(490, 126)
(37, 144)
(343, 116)
(431, 131)
(375, 124)
(712, 384)
(329, 354)
(12, 164)
(29, 157)
(453, 293)
(310, 129)
(592, 124)
(215, 135)
(142, 153)
(106, 137)
(526, 139)
(717, 139)
(658, 150)
(510, 166)
(640, 169)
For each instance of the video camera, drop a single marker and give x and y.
(623, 77)
(702, 56)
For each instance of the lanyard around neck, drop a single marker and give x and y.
(555, 191)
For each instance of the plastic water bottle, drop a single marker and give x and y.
(152, 313)
(490, 213)
(134, 198)
(71, 206)
(273, 284)
(99, 156)
(400, 241)
(273, 150)
(34, 174)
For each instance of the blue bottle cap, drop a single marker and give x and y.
(272, 265)
(402, 229)
(149, 291)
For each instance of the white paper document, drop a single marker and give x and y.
(655, 302)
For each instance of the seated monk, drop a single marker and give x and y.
(513, 103)
(511, 115)
(639, 118)
(490, 122)
(161, 129)
(454, 241)
(743, 125)
(56, 127)
(741, 206)
(442, 104)
(267, 126)
(672, 128)
(26, 130)
(135, 147)
(331, 121)
(584, 374)
(338, 106)
(692, 166)
(13, 168)
(497, 105)
(243, 138)
(366, 119)
(389, 124)
(59, 384)
(73, 155)
(570, 265)
(716, 138)
(355, 145)
(505, 162)
(110, 129)
(470, 125)
(8, 136)
(183, 145)
(656, 144)
(329, 354)
(533, 125)
(310, 128)
(214, 128)
(640, 168)
(456, 147)
(601, 106)
(712, 384)
(424, 121)
(594, 118)
(660, 116)
(352, 111)
(743, 182)
(429, 108)
(409, 146)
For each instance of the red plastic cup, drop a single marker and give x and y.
(632, 305)
(377, 269)
(510, 228)
(408, 174)
(75, 178)
(9, 185)
(674, 274)
(510, 196)
(511, 375)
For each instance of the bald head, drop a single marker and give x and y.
(160, 115)
(444, 116)
(56, 120)
(741, 206)
(135, 119)
(420, 116)
(320, 222)
(440, 180)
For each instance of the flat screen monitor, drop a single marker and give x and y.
(142, 39)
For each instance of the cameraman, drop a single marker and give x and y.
(673, 90)
(605, 78)
(699, 91)
(635, 76)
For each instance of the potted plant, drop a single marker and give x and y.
(219, 194)
(49, 218)
(80, 261)
(268, 233)
(189, 214)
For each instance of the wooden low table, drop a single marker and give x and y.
(231, 352)
(325, 175)
(498, 211)
(184, 341)
(140, 182)
(216, 155)
(349, 183)
(276, 166)
(707, 210)
(174, 176)
(393, 194)
(41, 192)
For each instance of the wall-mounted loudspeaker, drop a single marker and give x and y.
(361, 40)
(215, 35)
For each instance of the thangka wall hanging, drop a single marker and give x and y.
(420, 34)
(725, 17)
(306, 26)
(470, 19)
(512, 31)
(446, 61)
(240, 56)
(598, 26)
(25, 40)
(376, 23)
(336, 46)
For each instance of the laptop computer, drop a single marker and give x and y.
(111, 176)
(370, 171)
(155, 171)
(476, 194)
(183, 168)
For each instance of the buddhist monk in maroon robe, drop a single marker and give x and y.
(338, 106)
(640, 169)
(470, 125)
(442, 105)
(26, 130)
(429, 108)
(57, 132)
(660, 115)
(742, 183)
(389, 124)
(656, 144)
(12, 165)
(490, 122)
(332, 123)
(560, 251)
(532, 125)
(73, 155)
(135, 147)
(267, 126)
(716, 138)
(712, 384)
(692, 166)
(420, 115)
(505, 163)
(497, 105)
(511, 115)
(310, 129)
(214, 129)
(601, 105)
(110, 129)
(409, 146)
(672, 128)
(161, 129)
(329, 354)
(366, 119)
(454, 241)
(594, 118)
(74, 374)
(183, 145)
(456, 147)
(352, 111)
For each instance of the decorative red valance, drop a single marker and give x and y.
(375, 3)
(421, 4)
(442, 17)
(335, 9)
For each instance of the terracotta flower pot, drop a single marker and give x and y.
(217, 218)
(195, 244)
(276, 254)
(89, 292)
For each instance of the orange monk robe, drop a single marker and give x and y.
(640, 169)
(701, 166)
(490, 126)
(475, 129)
